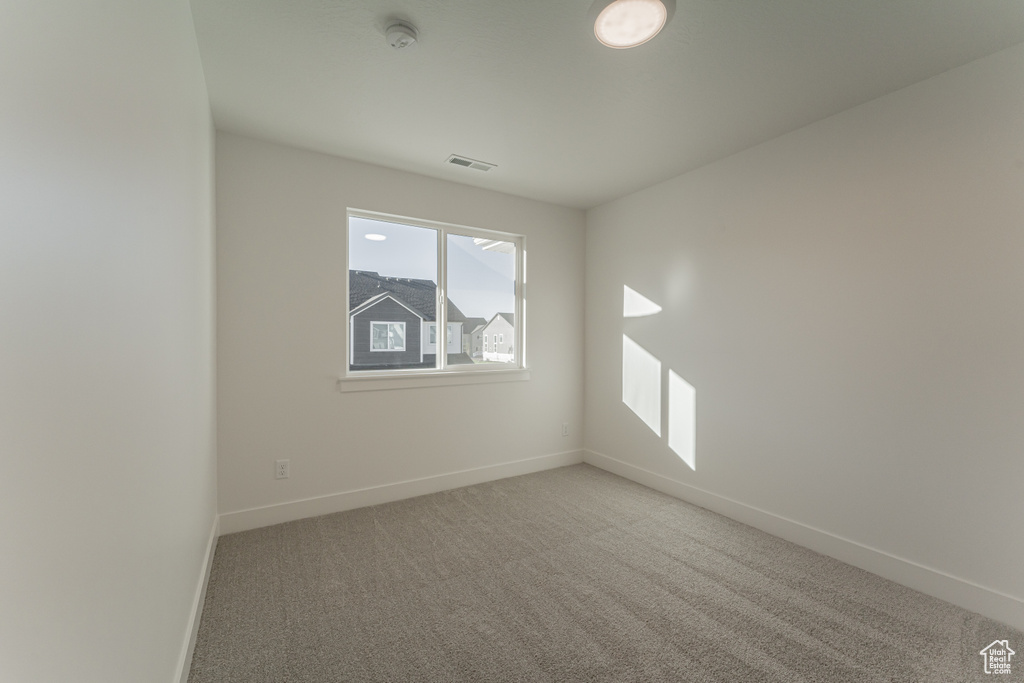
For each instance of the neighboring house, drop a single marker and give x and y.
(472, 336)
(393, 323)
(498, 337)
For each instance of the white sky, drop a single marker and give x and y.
(481, 283)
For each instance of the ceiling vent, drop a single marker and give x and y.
(470, 163)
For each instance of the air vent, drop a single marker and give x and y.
(470, 163)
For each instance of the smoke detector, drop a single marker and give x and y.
(401, 35)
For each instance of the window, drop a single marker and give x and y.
(387, 336)
(501, 339)
(408, 276)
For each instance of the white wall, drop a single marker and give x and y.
(281, 270)
(108, 476)
(847, 302)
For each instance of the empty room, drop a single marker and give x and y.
(732, 300)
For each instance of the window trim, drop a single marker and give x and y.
(429, 379)
(443, 374)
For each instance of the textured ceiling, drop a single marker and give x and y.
(525, 85)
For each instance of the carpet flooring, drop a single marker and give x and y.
(571, 574)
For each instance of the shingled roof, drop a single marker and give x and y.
(510, 318)
(419, 295)
(473, 324)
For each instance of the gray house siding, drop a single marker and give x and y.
(472, 336)
(387, 310)
(500, 327)
(377, 298)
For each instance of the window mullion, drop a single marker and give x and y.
(442, 297)
(519, 336)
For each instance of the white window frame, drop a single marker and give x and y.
(389, 323)
(442, 373)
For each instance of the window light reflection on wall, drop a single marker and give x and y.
(642, 386)
(636, 305)
(682, 419)
(641, 383)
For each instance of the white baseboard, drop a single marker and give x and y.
(986, 601)
(254, 518)
(189, 647)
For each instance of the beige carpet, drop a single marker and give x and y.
(572, 574)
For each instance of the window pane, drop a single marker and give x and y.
(380, 336)
(392, 281)
(396, 339)
(482, 296)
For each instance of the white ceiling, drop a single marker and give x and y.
(525, 85)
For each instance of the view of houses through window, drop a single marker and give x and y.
(395, 276)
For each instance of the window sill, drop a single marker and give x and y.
(432, 379)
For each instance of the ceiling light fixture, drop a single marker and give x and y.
(628, 23)
(374, 237)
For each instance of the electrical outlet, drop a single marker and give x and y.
(282, 469)
(565, 429)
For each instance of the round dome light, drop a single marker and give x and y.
(628, 23)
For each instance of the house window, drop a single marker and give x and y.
(501, 339)
(408, 276)
(386, 336)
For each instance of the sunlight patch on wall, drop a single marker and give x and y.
(641, 383)
(636, 305)
(682, 419)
